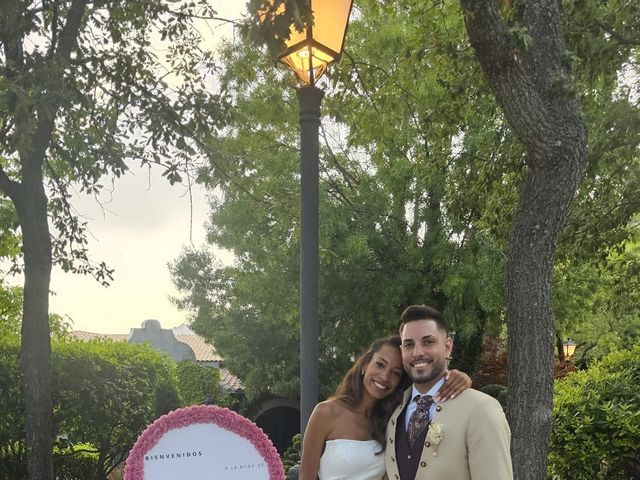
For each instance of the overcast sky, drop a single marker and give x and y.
(145, 227)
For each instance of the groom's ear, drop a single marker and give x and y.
(448, 346)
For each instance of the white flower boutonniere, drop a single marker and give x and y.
(434, 436)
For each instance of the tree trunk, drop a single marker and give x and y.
(530, 323)
(31, 206)
(527, 69)
(30, 201)
(560, 348)
(33, 135)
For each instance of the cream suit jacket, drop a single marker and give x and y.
(475, 443)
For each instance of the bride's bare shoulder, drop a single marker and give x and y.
(324, 415)
(333, 407)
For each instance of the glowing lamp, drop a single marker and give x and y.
(569, 347)
(308, 52)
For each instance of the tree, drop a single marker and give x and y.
(523, 53)
(375, 255)
(420, 178)
(11, 301)
(82, 92)
(547, 118)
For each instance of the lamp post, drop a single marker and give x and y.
(308, 53)
(569, 347)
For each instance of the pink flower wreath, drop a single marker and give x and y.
(223, 417)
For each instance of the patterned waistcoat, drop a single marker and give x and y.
(407, 458)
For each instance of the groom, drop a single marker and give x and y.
(465, 438)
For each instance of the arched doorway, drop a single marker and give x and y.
(280, 423)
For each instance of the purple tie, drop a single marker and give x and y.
(419, 418)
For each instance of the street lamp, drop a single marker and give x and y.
(569, 347)
(308, 53)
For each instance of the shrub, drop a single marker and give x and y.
(13, 462)
(73, 462)
(596, 421)
(166, 396)
(499, 392)
(291, 456)
(493, 366)
(78, 462)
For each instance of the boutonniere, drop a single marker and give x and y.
(434, 436)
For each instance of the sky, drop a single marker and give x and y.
(144, 226)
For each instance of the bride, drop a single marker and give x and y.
(345, 437)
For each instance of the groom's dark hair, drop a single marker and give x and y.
(423, 312)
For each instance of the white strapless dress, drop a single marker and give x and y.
(351, 460)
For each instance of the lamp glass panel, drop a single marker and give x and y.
(329, 27)
(300, 61)
(569, 347)
(330, 19)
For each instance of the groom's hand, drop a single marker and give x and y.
(455, 383)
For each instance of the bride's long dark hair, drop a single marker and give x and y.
(351, 390)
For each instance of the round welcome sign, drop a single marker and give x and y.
(201, 442)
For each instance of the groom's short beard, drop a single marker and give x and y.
(438, 368)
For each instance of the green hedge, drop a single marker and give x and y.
(198, 384)
(104, 395)
(596, 421)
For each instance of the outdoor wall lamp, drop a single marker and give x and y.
(569, 347)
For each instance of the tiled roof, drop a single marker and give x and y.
(204, 351)
(228, 381)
